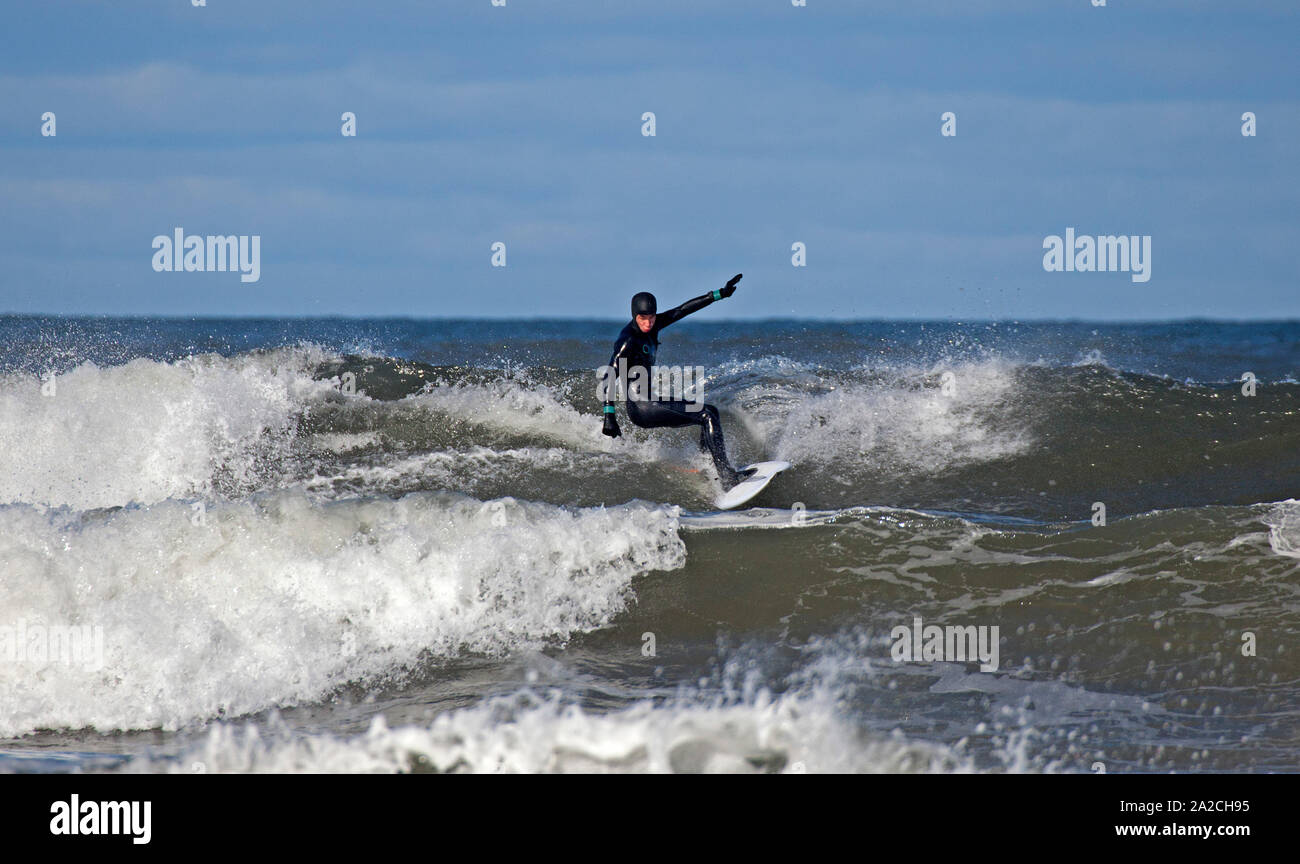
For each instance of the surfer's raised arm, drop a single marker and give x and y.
(695, 304)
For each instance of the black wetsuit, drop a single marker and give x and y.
(639, 349)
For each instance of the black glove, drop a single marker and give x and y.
(730, 287)
(611, 427)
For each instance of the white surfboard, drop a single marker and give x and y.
(751, 485)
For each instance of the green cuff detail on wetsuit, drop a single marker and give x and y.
(717, 295)
(609, 409)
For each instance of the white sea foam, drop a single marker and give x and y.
(275, 599)
(901, 424)
(450, 468)
(539, 413)
(146, 431)
(531, 733)
(1283, 521)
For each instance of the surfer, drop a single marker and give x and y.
(636, 346)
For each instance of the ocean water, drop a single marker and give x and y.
(395, 545)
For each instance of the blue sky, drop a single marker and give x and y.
(775, 124)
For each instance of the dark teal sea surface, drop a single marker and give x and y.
(401, 545)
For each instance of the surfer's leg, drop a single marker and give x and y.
(650, 415)
(712, 441)
(658, 415)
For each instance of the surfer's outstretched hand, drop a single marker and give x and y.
(611, 427)
(730, 287)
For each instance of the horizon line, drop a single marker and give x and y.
(129, 316)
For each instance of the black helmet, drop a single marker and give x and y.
(644, 304)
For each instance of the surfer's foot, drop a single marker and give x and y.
(731, 477)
